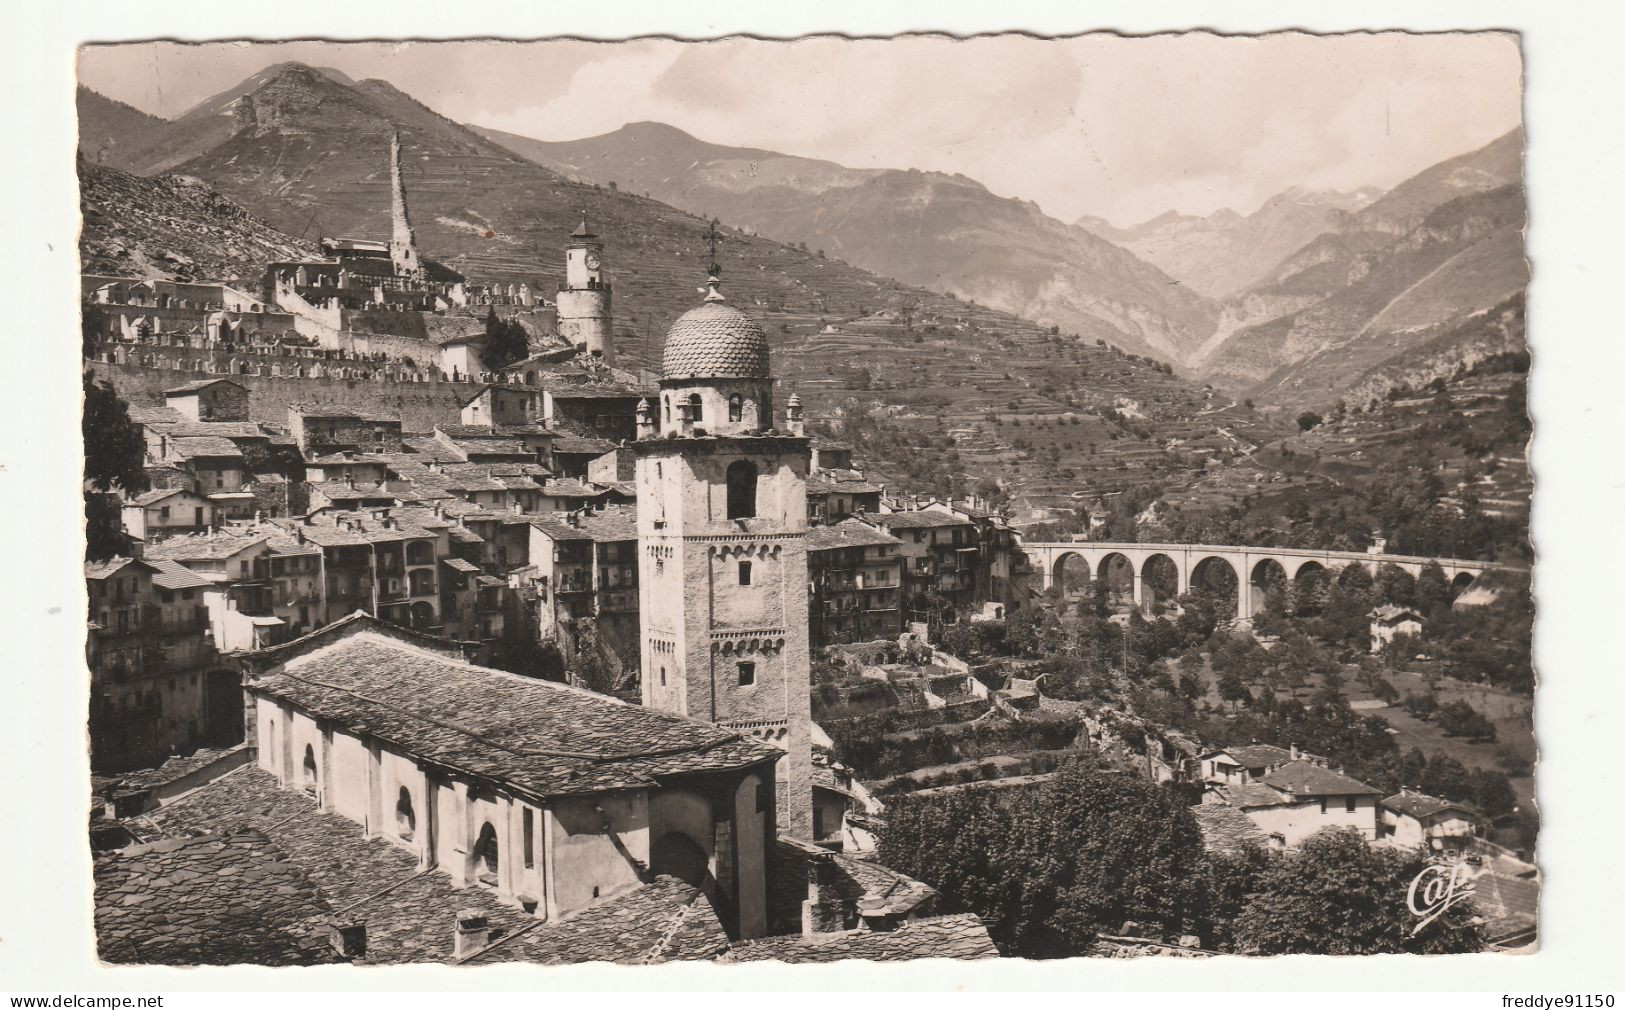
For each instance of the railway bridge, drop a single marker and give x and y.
(1252, 566)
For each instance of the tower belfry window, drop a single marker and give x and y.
(736, 407)
(696, 408)
(741, 480)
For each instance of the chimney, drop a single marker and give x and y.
(348, 937)
(821, 917)
(349, 481)
(1294, 752)
(876, 914)
(645, 418)
(473, 932)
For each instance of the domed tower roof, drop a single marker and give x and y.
(715, 341)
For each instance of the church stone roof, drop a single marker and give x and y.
(539, 737)
(715, 341)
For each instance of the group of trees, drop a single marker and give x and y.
(114, 467)
(505, 341)
(1052, 868)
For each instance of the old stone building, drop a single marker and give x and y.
(855, 584)
(722, 525)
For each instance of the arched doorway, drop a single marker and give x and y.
(1459, 584)
(308, 768)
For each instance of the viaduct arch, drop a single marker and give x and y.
(1249, 564)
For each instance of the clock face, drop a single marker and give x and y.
(592, 261)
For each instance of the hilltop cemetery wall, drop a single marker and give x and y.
(420, 404)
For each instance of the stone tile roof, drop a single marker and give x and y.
(173, 575)
(561, 487)
(914, 520)
(663, 920)
(579, 444)
(1258, 755)
(854, 879)
(155, 496)
(1421, 805)
(847, 533)
(1512, 904)
(1390, 612)
(410, 915)
(824, 484)
(1252, 795)
(715, 341)
(543, 738)
(334, 410)
(962, 937)
(112, 566)
(205, 447)
(1301, 778)
(612, 523)
(458, 564)
(214, 545)
(226, 898)
(1226, 830)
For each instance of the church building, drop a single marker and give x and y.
(722, 527)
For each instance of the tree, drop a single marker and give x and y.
(1309, 419)
(1432, 590)
(1050, 869)
(1232, 688)
(594, 665)
(114, 458)
(505, 342)
(1337, 895)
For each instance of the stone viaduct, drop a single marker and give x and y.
(1251, 565)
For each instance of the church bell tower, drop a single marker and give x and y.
(722, 523)
(584, 300)
(403, 242)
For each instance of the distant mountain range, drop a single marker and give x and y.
(1227, 252)
(942, 232)
(1293, 303)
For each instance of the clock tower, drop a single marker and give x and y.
(722, 524)
(584, 299)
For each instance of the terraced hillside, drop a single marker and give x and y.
(947, 233)
(1382, 287)
(308, 157)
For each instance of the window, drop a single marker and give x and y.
(405, 818)
(747, 674)
(1348, 804)
(662, 676)
(163, 513)
(741, 478)
(666, 407)
(530, 838)
(485, 850)
(744, 573)
(696, 408)
(736, 407)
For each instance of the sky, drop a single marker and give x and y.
(1121, 128)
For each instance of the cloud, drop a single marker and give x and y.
(1125, 128)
